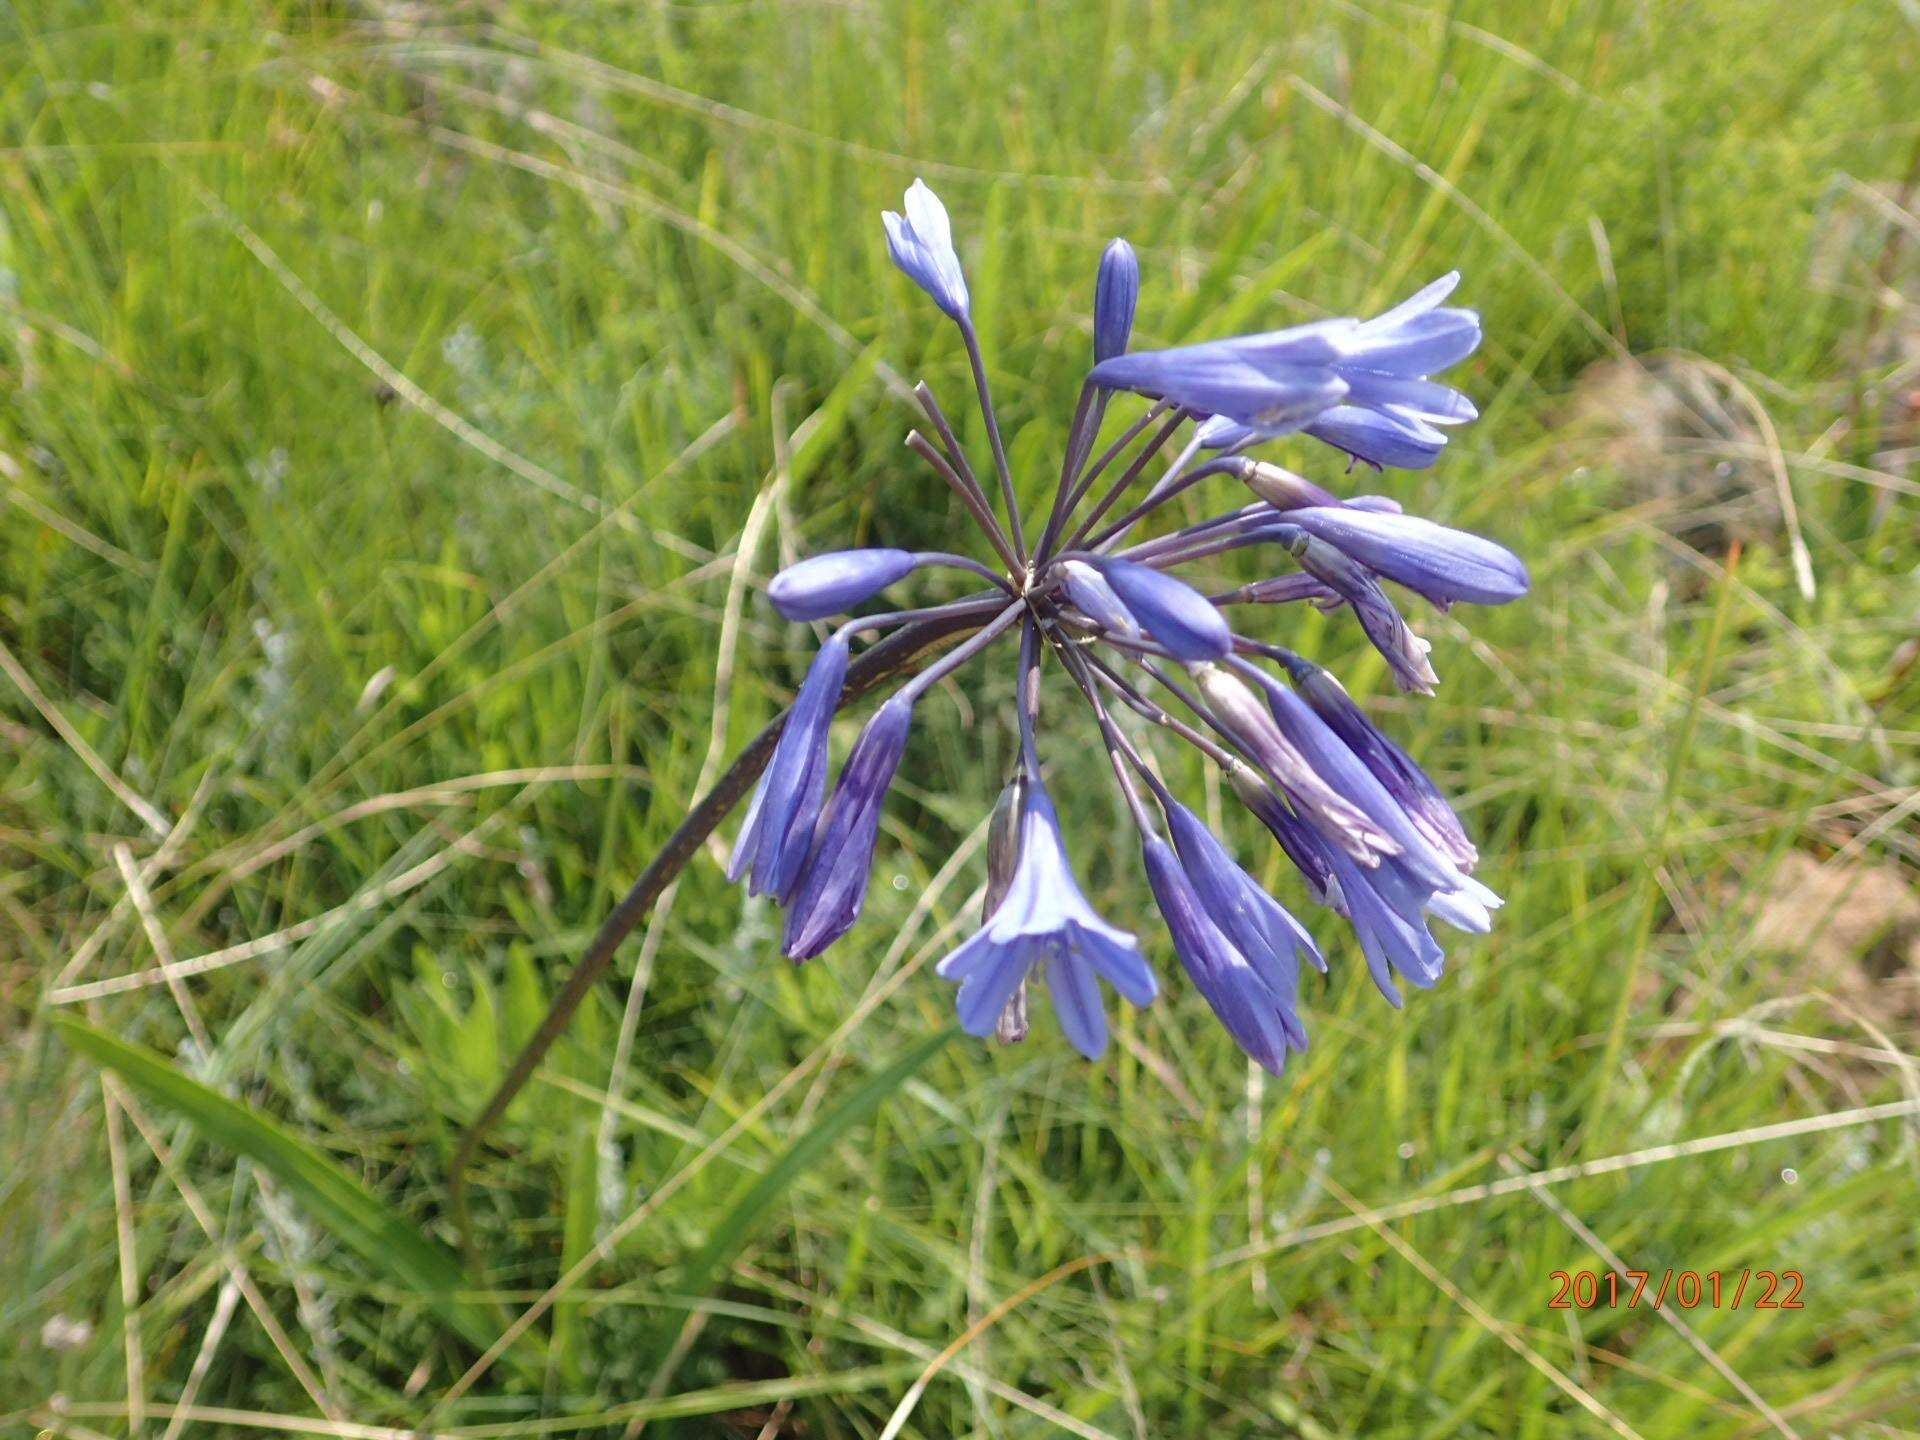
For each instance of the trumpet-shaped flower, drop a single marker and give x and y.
(1246, 1005)
(1045, 922)
(833, 886)
(779, 829)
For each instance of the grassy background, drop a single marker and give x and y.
(388, 391)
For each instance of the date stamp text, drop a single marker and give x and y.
(1681, 1289)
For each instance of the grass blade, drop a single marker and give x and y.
(353, 1214)
(746, 1212)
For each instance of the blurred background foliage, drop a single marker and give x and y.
(388, 391)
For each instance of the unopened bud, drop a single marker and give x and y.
(1281, 488)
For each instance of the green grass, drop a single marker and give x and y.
(384, 403)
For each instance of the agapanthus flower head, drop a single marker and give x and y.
(1153, 653)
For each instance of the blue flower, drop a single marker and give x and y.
(1391, 943)
(1220, 378)
(1416, 880)
(1346, 773)
(921, 243)
(1116, 290)
(833, 886)
(1436, 561)
(1255, 1016)
(832, 583)
(1389, 416)
(1259, 926)
(1384, 441)
(1411, 787)
(1172, 611)
(780, 821)
(1251, 726)
(1045, 921)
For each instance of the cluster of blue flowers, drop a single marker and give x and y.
(1371, 834)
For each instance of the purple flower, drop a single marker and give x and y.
(921, 243)
(1384, 441)
(1418, 879)
(1116, 290)
(1442, 564)
(1251, 1012)
(1360, 386)
(833, 886)
(1273, 941)
(1045, 921)
(832, 583)
(1251, 726)
(1409, 785)
(1392, 943)
(1391, 409)
(1301, 841)
(1218, 378)
(1172, 611)
(779, 828)
(1344, 771)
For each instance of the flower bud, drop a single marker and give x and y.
(1173, 612)
(1404, 651)
(1281, 488)
(835, 582)
(1087, 588)
(1251, 724)
(1115, 292)
(921, 243)
(833, 886)
(1003, 842)
(1441, 563)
